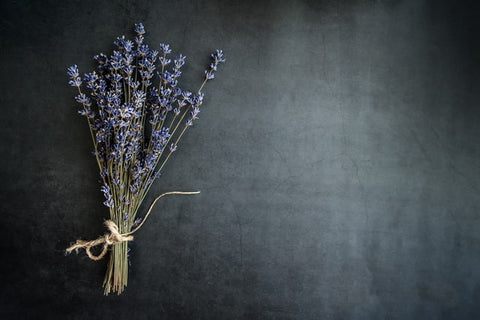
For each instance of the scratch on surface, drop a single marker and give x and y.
(325, 63)
(435, 131)
(240, 238)
(344, 134)
(346, 153)
(362, 188)
(421, 146)
(285, 181)
(355, 165)
(462, 175)
(280, 155)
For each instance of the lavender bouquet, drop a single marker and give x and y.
(136, 123)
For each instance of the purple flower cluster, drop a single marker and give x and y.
(137, 114)
(217, 58)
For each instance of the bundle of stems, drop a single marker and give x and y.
(136, 123)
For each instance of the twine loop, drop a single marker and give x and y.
(108, 239)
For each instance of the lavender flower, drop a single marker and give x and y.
(210, 73)
(139, 29)
(164, 61)
(137, 222)
(194, 112)
(180, 61)
(83, 99)
(73, 71)
(106, 192)
(128, 45)
(75, 80)
(165, 48)
(218, 57)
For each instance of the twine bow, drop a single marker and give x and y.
(115, 236)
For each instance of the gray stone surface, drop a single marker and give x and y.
(337, 154)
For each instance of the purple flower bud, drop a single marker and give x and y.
(165, 48)
(164, 61)
(180, 61)
(209, 75)
(75, 82)
(137, 222)
(139, 29)
(139, 40)
(73, 71)
(128, 45)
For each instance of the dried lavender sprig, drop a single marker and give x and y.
(121, 92)
(195, 103)
(76, 81)
(210, 74)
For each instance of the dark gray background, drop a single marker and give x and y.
(337, 154)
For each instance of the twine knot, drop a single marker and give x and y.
(114, 236)
(108, 239)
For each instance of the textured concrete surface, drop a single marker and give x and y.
(337, 154)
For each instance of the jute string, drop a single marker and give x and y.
(115, 236)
